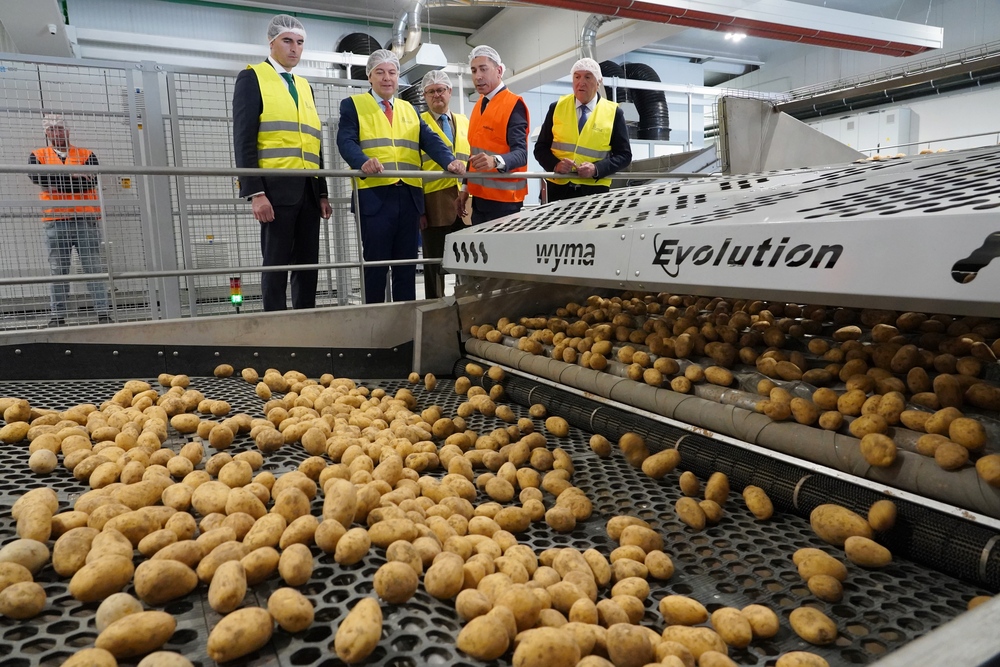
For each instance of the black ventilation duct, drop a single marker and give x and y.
(415, 96)
(654, 119)
(610, 68)
(359, 44)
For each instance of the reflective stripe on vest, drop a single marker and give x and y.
(488, 134)
(76, 157)
(591, 145)
(396, 146)
(288, 136)
(460, 148)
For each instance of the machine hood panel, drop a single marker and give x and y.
(916, 233)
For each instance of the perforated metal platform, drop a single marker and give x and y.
(737, 562)
(909, 233)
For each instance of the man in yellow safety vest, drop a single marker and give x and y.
(276, 126)
(583, 136)
(440, 194)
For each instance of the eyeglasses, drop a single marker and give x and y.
(436, 91)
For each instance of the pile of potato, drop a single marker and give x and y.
(445, 503)
(873, 371)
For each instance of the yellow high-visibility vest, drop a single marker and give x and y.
(289, 136)
(460, 148)
(593, 144)
(396, 146)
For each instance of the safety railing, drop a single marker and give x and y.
(166, 284)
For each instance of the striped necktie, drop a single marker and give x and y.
(388, 110)
(584, 113)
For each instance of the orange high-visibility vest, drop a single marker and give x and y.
(488, 134)
(75, 157)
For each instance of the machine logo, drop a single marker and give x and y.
(670, 254)
(565, 253)
(464, 250)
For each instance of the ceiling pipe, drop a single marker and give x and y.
(406, 31)
(588, 39)
(657, 13)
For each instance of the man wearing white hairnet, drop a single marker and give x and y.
(276, 126)
(72, 217)
(379, 133)
(440, 193)
(583, 136)
(498, 136)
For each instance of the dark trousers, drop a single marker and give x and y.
(433, 242)
(484, 210)
(291, 238)
(391, 234)
(557, 192)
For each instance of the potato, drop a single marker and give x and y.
(160, 581)
(228, 587)
(101, 577)
(291, 609)
(801, 659)
(22, 600)
(165, 659)
(690, 512)
(359, 632)
(759, 504)
(661, 463)
(813, 626)
(616, 525)
(13, 573)
(763, 621)
(471, 604)
(866, 424)
(878, 450)
(641, 536)
(444, 579)
(546, 647)
(825, 587)
(396, 582)
(557, 426)
(137, 634)
(91, 657)
(967, 432)
(866, 552)
(690, 486)
(850, 402)
(659, 565)
(296, 564)
(717, 488)
(814, 562)
(483, 638)
(882, 515)
(634, 449)
(629, 646)
(988, 468)
(732, 626)
(951, 456)
(682, 610)
(239, 633)
(600, 445)
(697, 640)
(834, 524)
(115, 607)
(978, 600)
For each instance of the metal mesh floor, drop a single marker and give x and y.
(737, 562)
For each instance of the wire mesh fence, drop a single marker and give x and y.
(186, 123)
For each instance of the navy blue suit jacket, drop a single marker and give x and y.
(281, 191)
(349, 144)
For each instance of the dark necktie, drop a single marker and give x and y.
(486, 101)
(584, 113)
(446, 128)
(290, 80)
(388, 110)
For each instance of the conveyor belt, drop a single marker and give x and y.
(735, 563)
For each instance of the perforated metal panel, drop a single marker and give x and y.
(738, 562)
(845, 235)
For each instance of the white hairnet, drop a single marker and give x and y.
(487, 51)
(53, 120)
(380, 57)
(587, 65)
(283, 23)
(433, 77)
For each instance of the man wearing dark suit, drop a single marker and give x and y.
(583, 135)
(498, 137)
(378, 133)
(276, 126)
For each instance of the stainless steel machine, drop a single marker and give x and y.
(904, 234)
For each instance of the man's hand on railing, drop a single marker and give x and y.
(565, 166)
(372, 166)
(262, 209)
(457, 167)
